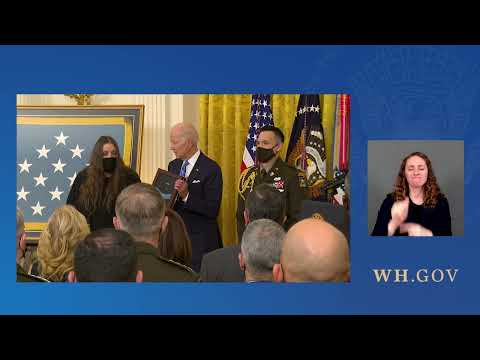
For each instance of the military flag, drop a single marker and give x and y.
(341, 144)
(306, 149)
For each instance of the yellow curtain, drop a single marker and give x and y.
(224, 122)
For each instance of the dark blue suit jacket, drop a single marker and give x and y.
(205, 185)
(222, 265)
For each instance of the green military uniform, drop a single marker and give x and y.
(287, 179)
(159, 269)
(22, 276)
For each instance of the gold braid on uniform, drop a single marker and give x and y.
(315, 191)
(247, 178)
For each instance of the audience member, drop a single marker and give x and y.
(140, 210)
(222, 265)
(260, 250)
(174, 242)
(106, 255)
(313, 250)
(65, 228)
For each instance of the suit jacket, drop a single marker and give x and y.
(222, 265)
(200, 211)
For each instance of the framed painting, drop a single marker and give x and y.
(54, 144)
(164, 182)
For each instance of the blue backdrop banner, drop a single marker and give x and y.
(397, 92)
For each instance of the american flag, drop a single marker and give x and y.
(49, 157)
(260, 115)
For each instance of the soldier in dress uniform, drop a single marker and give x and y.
(270, 169)
(140, 210)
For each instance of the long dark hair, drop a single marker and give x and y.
(92, 196)
(430, 188)
(174, 243)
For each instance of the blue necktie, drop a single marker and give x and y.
(183, 170)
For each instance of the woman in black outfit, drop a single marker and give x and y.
(416, 207)
(96, 187)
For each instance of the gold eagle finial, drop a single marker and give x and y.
(81, 99)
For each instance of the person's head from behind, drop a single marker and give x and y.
(21, 236)
(183, 140)
(416, 173)
(105, 163)
(106, 255)
(260, 249)
(265, 202)
(175, 244)
(65, 228)
(269, 143)
(140, 210)
(313, 250)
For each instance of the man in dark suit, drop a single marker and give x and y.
(222, 265)
(200, 191)
(260, 251)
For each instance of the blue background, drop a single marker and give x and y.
(398, 92)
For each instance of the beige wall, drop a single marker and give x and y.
(161, 113)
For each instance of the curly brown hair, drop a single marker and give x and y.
(431, 188)
(91, 197)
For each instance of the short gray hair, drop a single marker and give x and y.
(20, 222)
(189, 132)
(261, 246)
(141, 209)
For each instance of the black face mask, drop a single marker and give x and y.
(109, 164)
(264, 155)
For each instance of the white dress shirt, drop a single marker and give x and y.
(191, 164)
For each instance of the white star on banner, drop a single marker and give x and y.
(37, 209)
(40, 180)
(72, 179)
(24, 167)
(317, 108)
(56, 194)
(253, 148)
(312, 108)
(22, 194)
(43, 152)
(265, 103)
(61, 139)
(77, 152)
(58, 166)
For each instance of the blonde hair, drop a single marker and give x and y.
(65, 228)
